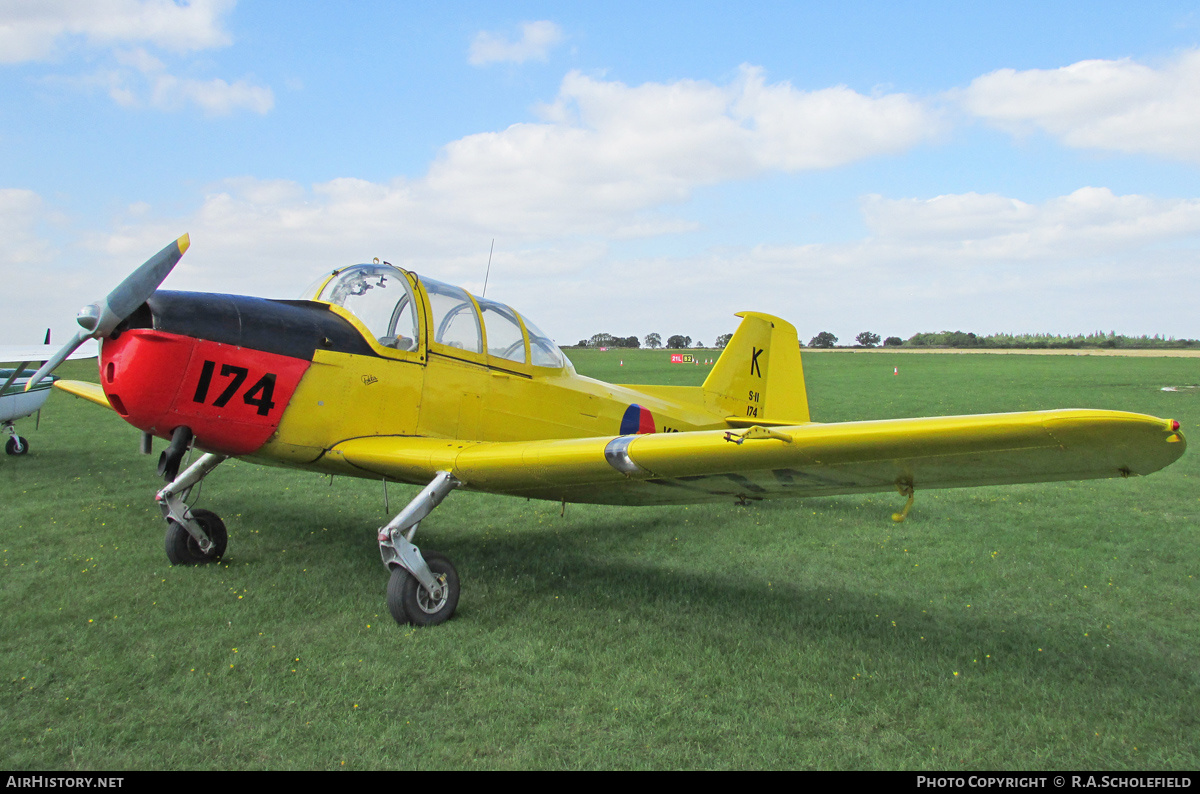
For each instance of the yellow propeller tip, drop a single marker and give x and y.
(183, 243)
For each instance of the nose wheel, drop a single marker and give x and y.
(183, 549)
(15, 445)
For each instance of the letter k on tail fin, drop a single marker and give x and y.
(758, 380)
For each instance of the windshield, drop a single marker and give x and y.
(380, 296)
(542, 350)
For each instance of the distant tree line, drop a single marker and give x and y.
(652, 341)
(608, 340)
(962, 339)
(1097, 339)
(951, 339)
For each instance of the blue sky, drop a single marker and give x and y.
(642, 167)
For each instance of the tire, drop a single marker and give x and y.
(16, 446)
(182, 548)
(409, 603)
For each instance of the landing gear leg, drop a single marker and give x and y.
(423, 590)
(194, 537)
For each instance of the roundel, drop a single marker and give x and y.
(636, 420)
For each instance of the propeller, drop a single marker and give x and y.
(99, 319)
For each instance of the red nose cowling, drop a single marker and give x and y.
(231, 397)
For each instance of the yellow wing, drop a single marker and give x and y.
(88, 391)
(781, 461)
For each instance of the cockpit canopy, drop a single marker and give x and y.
(384, 298)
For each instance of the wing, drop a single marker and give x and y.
(801, 460)
(15, 353)
(88, 391)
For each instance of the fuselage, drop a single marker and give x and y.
(15, 401)
(286, 381)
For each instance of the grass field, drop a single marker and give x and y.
(1032, 627)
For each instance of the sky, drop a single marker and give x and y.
(1024, 167)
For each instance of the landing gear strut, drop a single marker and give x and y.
(194, 537)
(424, 589)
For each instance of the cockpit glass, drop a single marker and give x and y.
(504, 337)
(382, 298)
(455, 322)
(542, 350)
(379, 296)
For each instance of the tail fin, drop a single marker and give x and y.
(759, 379)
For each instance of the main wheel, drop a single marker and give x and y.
(182, 548)
(410, 603)
(16, 446)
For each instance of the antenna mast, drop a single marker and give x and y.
(489, 268)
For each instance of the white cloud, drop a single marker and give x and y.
(41, 29)
(537, 38)
(215, 97)
(32, 30)
(606, 154)
(972, 228)
(1120, 105)
(795, 130)
(147, 83)
(606, 161)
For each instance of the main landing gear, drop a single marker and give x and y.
(423, 589)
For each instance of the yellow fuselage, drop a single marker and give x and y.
(447, 395)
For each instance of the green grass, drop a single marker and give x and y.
(1031, 627)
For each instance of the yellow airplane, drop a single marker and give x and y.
(383, 373)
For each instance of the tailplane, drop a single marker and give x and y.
(758, 380)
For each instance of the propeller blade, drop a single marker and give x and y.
(138, 286)
(81, 336)
(99, 319)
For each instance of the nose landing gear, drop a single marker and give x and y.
(194, 537)
(15, 445)
(183, 549)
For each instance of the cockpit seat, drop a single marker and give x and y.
(398, 342)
